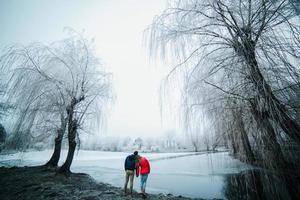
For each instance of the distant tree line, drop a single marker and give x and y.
(169, 142)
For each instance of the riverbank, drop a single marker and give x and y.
(32, 183)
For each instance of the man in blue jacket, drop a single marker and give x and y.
(130, 167)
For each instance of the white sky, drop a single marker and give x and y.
(117, 26)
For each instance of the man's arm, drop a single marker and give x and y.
(137, 169)
(125, 164)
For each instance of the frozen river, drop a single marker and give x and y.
(194, 176)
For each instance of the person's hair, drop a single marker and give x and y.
(136, 153)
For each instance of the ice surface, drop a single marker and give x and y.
(193, 176)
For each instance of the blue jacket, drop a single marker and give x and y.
(130, 162)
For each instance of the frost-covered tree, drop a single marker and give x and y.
(252, 43)
(65, 85)
(240, 60)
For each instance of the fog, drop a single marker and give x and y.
(188, 84)
(118, 29)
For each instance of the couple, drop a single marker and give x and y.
(139, 165)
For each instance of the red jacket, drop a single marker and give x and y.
(143, 166)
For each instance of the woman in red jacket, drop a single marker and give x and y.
(144, 170)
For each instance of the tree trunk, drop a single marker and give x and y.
(72, 130)
(53, 162)
(274, 159)
(245, 147)
(271, 148)
(196, 148)
(57, 149)
(233, 143)
(272, 155)
(65, 168)
(275, 109)
(267, 107)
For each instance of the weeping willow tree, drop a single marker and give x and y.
(4, 106)
(240, 62)
(58, 88)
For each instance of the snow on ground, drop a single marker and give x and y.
(194, 176)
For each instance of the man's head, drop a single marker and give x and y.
(135, 153)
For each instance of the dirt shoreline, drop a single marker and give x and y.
(40, 183)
